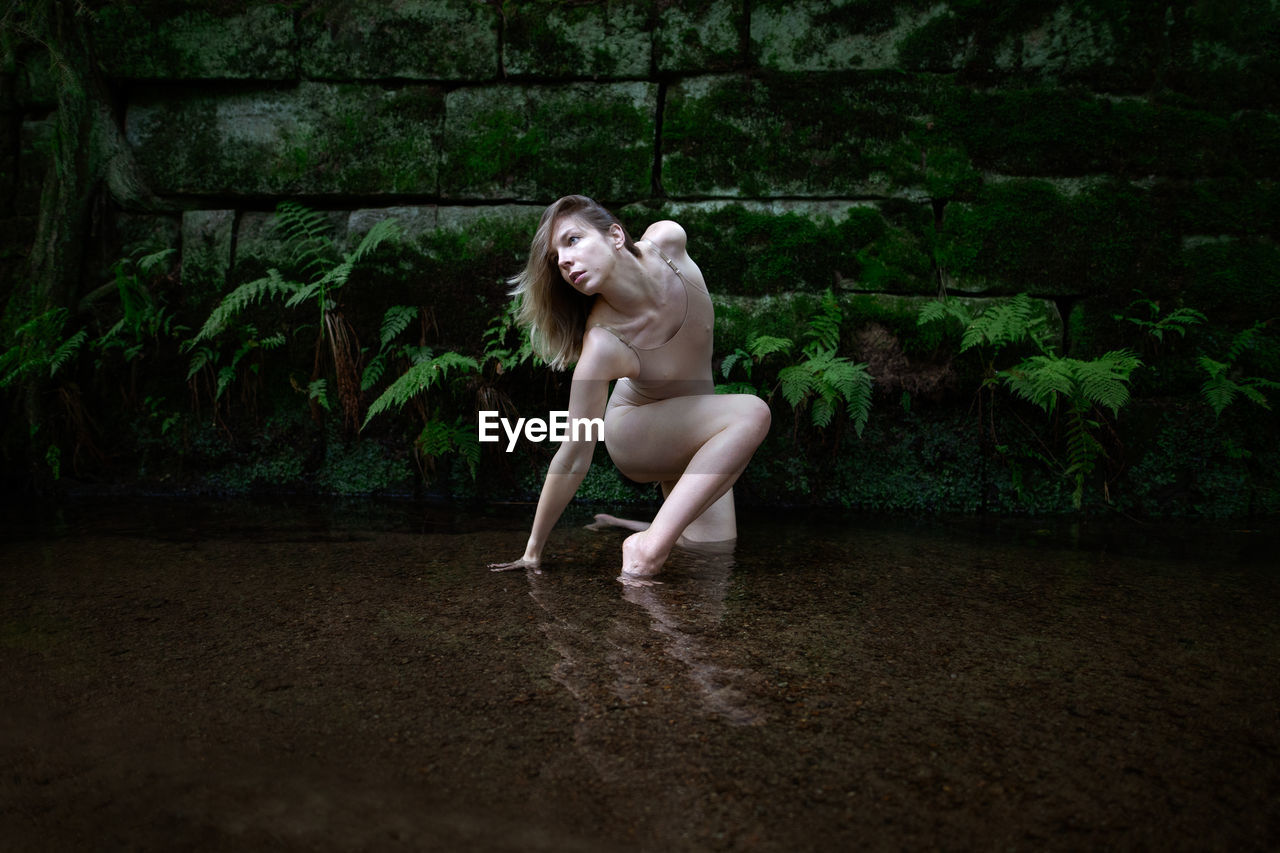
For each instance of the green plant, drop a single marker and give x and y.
(822, 379)
(1225, 382)
(316, 259)
(1145, 314)
(1079, 388)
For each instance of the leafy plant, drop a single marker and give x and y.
(324, 271)
(1154, 325)
(822, 379)
(1078, 388)
(1224, 382)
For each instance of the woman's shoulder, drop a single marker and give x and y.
(668, 236)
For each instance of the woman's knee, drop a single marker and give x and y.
(756, 417)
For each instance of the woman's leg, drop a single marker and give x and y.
(699, 443)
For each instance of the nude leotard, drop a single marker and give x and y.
(682, 365)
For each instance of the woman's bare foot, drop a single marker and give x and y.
(604, 520)
(641, 560)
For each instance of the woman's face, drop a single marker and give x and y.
(584, 255)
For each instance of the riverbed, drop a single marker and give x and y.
(281, 675)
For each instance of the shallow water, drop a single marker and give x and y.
(241, 675)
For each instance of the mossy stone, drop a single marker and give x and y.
(408, 40)
(317, 138)
(542, 142)
(1029, 236)
(832, 35)
(1233, 280)
(699, 36)
(196, 41)
(785, 134)
(550, 38)
(751, 248)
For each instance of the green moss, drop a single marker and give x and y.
(1233, 280)
(550, 38)
(784, 134)
(1055, 131)
(538, 142)
(1029, 236)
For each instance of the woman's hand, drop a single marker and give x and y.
(514, 565)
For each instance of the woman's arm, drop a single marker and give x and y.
(603, 359)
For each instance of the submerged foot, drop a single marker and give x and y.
(641, 560)
(604, 521)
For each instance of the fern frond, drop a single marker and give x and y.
(1218, 391)
(318, 390)
(269, 286)
(373, 371)
(382, 231)
(738, 388)
(306, 232)
(1104, 380)
(418, 379)
(1040, 379)
(1005, 323)
(66, 351)
(797, 382)
(824, 327)
(943, 309)
(733, 358)
(762, 345)
(396, 320)
(822, 412)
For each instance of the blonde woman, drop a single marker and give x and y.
(637, 312)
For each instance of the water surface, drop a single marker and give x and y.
(275, 675)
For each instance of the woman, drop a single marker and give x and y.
(638, 313)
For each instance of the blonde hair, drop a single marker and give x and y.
(555, 313)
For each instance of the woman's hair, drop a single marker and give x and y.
(554, 312)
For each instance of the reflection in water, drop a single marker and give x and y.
(611, 661)
(684, 613)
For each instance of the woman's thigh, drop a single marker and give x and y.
(657, 441)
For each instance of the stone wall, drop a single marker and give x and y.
(1082, 152)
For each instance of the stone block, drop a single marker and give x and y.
(835, 35)
(699, 37)
(411, 40)
(156, 42)
(317, 139)
(206, 254)
(542, 142)
(261, 244)
(551, 38)
(452, 260)
(1066, 132)
(1031, 236)
(754, 248)
(795, 135)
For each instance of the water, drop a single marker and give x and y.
(238, 675)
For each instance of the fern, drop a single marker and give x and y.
(824, 327)
(1177, 321)
(235, 302)
(1005, 323)
(760, 346)
(1219, 389)
(394, 321)
(438, 438)
(306, 233)
(419, 378)
(1079, 386)
(66, 351)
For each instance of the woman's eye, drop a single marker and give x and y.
(573, 239)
